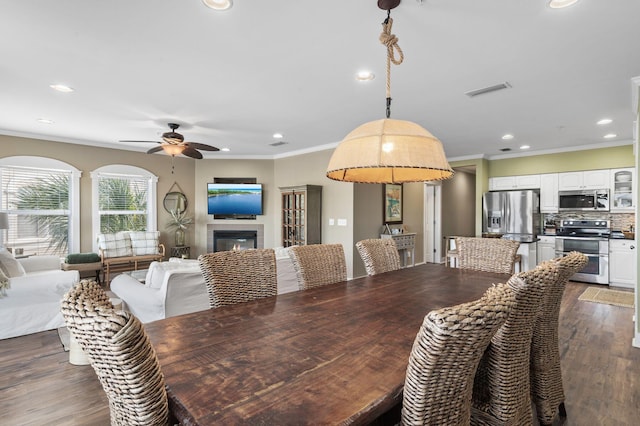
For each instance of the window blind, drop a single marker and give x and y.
(38, 204)
(122, 202)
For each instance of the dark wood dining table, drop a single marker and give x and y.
(330, 355)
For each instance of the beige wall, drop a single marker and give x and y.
(592, 159)
(458, 200)
(413, 215)
(337, 197)
(367, 205)
(481, 166)
(87, 159)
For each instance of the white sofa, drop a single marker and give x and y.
(177, 287)
(32, 302)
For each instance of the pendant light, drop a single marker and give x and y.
(388, 150)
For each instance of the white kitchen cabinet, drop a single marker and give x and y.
(622, 263)
(623, 192)
(506, 183)
(546, 248)
(549, 193)
(589, 179)
(528, 251)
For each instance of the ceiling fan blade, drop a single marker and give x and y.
(190, 152)
(202, 146)
(154, 149)
(142, 141)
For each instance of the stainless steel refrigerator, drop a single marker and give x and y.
(512, 214)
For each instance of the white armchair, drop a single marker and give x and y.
(171, 288)
(32, 301)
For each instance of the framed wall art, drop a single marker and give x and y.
(392, 203)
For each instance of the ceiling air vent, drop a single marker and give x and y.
(489, 89)
(278, 143)
(505, 149)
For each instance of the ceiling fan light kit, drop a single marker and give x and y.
(388, 150)
(173, 149)
(218, 4)
(559, 4)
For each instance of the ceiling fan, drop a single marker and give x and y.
(173, 144)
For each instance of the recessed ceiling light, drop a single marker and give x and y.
(44, 121)
(218, 4)
(610, 136)
(559, 4)
(225, 149)
(525, 147)
(604, 121)
(61, 88)
(507, 137)
(278, 136)
(365, 76)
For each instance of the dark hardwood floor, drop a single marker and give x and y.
(601, 373)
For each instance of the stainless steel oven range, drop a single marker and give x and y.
(590, 237)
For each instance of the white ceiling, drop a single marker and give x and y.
(232, 79)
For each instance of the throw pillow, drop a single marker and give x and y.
(144, 242)
(158, 273)
(4, 284)
(9, 265)
(115, 245)
(154, 274)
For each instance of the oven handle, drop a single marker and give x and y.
(584, 238)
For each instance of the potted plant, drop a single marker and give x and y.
(180, 221)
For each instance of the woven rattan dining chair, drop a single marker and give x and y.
(445, 355)
(546, 376)
(487, 254)
(318, 264)
(379, 255)
(501, 389)
(239, 276)
(121, 354)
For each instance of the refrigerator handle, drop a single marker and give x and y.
(506, 207)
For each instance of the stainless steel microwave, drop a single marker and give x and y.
(585, 200)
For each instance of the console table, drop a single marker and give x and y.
(405, 242)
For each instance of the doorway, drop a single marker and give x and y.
(450, 210)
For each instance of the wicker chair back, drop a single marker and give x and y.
(121, 354)
(379, 255)
(546, 376)
(239, 276)
(318, 264)
(501, 390)
(487, 254)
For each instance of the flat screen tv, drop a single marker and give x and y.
(234, 200)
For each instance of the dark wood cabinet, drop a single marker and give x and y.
(301, 215)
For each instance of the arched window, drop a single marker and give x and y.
(124, 199)
(42, 198)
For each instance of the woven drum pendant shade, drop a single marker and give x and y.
(389, 151)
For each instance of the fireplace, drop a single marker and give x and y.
(234, 240)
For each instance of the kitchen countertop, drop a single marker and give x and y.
(522, 238)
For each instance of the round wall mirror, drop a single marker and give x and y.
(175, 201)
